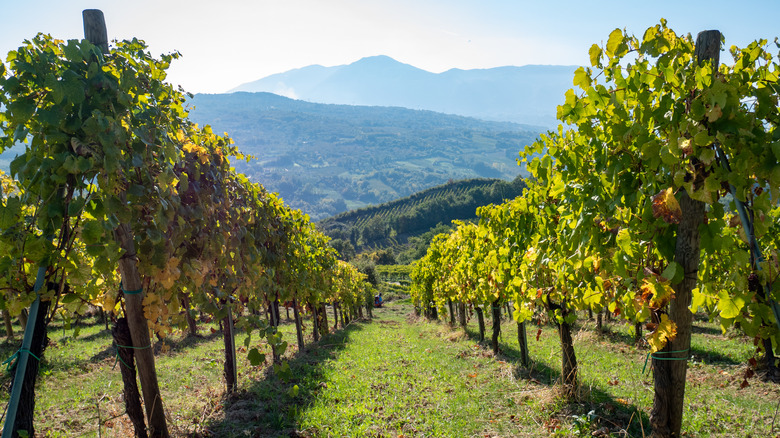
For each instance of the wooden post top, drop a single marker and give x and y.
(95, 28)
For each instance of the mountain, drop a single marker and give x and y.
(327, 159)
(527, 94)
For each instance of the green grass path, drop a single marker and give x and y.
(387, 378)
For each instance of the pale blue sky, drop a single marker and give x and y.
(228, 42)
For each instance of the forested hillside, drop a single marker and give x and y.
(400, 223)
(327, 159)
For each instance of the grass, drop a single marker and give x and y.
(401, 376)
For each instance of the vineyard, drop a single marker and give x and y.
(661, 203)
(124, 225)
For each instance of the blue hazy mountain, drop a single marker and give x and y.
(527, 94)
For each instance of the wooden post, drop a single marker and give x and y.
(9, 328)
(121, 334)
(568, 359)
(322, 320)
(298, 327)
(95, 28)
(315, 322)
(230, 368)
(95, 31)
(481, 322)
(139, 333)
(522, 340)
(666, 416)
(496, 315)
(191, 323)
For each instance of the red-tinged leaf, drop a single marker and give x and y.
(744, 384)
(666, 207)
(538, 333)
(749, 373)
(752, 362)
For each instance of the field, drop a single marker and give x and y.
(399, 375)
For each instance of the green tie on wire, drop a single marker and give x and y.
(130, 292)
(665, 358)
(11, 361)
(119, 359)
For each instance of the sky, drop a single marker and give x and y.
(225, 43)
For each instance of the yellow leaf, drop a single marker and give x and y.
(665, 332)
(656, 293)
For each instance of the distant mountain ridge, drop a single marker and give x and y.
(527, 94)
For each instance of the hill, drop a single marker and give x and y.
(527, 94)
(327, 159)
(400, 223)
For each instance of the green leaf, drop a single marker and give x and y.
(281, 348)
(255, 357)
(595, 55)
(9, 214)
(283, 371)
(702, 138)
(581, 78)
(707, 156)
(35, 248)
(697, 300)
(92, 232)
(18, 163)
(74, 89)
(624, 241)
(293, 392)
(673, 273)
(614, 42)
(730, 307)
(69, 298)
(72, 51)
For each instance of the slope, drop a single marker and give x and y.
(398, 223)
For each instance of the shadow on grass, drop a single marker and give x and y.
(596, 408)
(706, 330)
(268, 407)
(615, 335)
(713, 357)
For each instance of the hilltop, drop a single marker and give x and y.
(398, 225)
